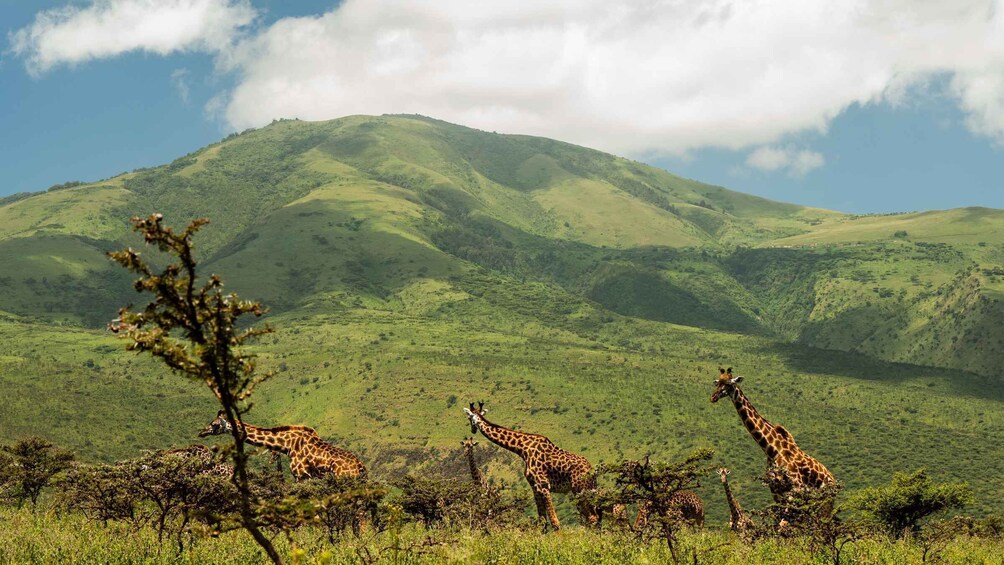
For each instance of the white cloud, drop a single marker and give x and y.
(630, 77)
(650, 77)
(107, 28)
(796, 162)
(180, 79)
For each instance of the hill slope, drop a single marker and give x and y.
(357, 210)
(414, 265)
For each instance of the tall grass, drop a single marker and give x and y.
(47, 536)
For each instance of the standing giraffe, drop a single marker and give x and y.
(777, 443)
(738, 522)
(309, 455)
(476, 475)
(548, 467)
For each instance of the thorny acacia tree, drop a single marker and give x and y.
(193, 329)
(652, 486)
(29, 465)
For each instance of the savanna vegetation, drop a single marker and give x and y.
(412, 266)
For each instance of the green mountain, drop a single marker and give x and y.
(413, 265)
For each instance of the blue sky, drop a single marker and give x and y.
(851, 122)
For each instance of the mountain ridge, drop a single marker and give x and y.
(363, 206)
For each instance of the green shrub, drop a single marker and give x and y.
(28, 467)
(901, 505)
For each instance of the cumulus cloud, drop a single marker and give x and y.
(796, 162)
(637, 78)
(108, 28)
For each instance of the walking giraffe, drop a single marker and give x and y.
(549, 468)
(309, 455)
(802, 470)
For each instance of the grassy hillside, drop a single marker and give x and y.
(413, 266)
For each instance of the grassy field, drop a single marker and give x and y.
(391, 387)
(45, 537)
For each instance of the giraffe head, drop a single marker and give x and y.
(219, 426)
(468, 444)
(725, 385)
(476, 416)
(724, 473)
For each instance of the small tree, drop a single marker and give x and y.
(652, 486)
(102, 492)
(901, 505)
(193, 328)
(30, 465)
(813, 515)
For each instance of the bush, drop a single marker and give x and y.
(900, 506)
(28, 466)
(654, 486)
(452, 503)
(168, 492)
(814, 516)
(334, 503)
(101, 492)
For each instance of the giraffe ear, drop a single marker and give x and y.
(737, 380)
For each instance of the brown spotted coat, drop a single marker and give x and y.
(549, 468)
(776, 442)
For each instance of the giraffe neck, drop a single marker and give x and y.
(476, 475)
(505, 437)
(760, 429)
(734, 509)
(279, 441)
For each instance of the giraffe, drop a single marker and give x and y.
(309, 455)
(776, 442)
(548, 467)
(738, 521)
(476, 475)
(686, 502)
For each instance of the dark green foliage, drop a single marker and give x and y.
(65, 185)
(28, 466)
(910, 498)
(101, 492)
(815, 516)
(451, 503)
(334, 503)
(650, 485)
(169, 493)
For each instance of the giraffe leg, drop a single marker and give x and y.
(619, 513)
(642, 519)
(552, 516)
(588, 514)
(539, 501)
(298, 466)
